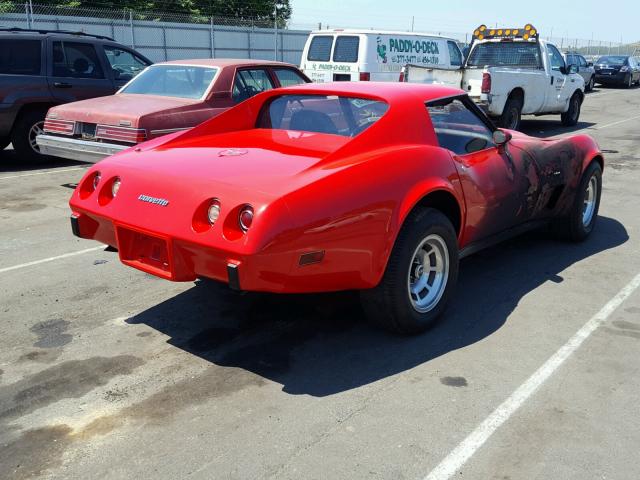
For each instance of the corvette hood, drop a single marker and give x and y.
(270, 161)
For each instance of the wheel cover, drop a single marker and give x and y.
(36, 129)
(576, 109)
(512, 119)
(428, 273)
(589, 205)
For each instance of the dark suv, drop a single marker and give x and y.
(42, 68)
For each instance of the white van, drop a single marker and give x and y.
(356, 55)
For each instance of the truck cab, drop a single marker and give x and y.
(511, 72)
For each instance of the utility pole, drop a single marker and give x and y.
(275, 31)
(413, 19)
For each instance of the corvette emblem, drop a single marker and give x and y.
(156, 201)
(232, 152)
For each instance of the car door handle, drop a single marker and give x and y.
(62, 85)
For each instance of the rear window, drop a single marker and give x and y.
(346, 49)
(346, 116)
(511, 54)
(20, 57)
(612, 60)
(180, 81)
(320, 48)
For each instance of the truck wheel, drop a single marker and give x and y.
(591, 84)
(571, 116)
(27, 126)
(512, 113)
(582, 218)
(420, 277)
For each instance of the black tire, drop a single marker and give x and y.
(390, 305)
(571, 116)
(4, 143)
(512, 113)
(573, 226)
(23, 135)
(591, 84)
(628, 81)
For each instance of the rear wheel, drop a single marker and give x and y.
(571, 116)
(591, 84)
(582, 218)
(420, 277)
(28, 125)
(512, 113)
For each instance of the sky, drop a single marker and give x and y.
(585, 19)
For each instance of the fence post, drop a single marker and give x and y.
(249, 35)
(26, 15)
(212, 39)
(133, 38)
(275, 33)
(164, 42)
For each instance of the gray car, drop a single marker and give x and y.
(585, 69)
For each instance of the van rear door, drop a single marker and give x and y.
(436, 76)
(316, 58)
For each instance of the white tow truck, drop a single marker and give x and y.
(510, 72)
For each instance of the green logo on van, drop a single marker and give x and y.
(381, 50)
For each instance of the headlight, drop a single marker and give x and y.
(96, 180)
(245, 219)
(115, 186)
(214, 211)
(624, 68)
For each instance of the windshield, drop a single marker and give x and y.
(173, 81)
(512, 54)
(612, 60)
(335, 115)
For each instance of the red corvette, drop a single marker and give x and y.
(379, 187)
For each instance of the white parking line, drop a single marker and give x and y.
(470, 445)
(50, 259)
(600, 127)
(60, 170)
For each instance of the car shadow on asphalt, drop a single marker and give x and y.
(321, 345)
(544, 128)
(11, 162)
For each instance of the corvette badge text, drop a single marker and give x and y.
(156, 201)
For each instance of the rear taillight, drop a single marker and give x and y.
(63, 127)
(245, 218)
(121, 134)
(486, 83)
(402, 77)
(365, 76)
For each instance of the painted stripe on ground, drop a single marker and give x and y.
(452, 463)
(60, 170)
(50, 259)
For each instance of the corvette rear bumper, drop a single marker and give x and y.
(183, 261)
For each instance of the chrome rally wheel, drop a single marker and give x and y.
(428, 273)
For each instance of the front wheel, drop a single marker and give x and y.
(582, 218)
(571, 116)
(28, 126)
(629, 81)
(420, 277)
(591, 84)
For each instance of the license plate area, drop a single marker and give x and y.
(88, 131)
(145, 252)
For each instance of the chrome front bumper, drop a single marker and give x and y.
(74, 149)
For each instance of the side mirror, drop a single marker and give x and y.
(500, 137)
(573, 68)
(589, 64)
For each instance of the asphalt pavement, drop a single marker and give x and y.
(534, 373)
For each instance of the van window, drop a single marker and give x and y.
(320, 48)
(20, 57)
(513, 54)
(346, 116)
(346, 49)
(454, 54)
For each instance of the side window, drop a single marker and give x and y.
(20, 57)
(77, 60)
(555, 58)
(124, 64)
(459, 129)
(288, 77)
(583, 62)
(571, 60)
(320, 48)
(346, 49)
(249, 83)
(454, 54)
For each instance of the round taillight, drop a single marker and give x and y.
(245, 219)
(96, 180)
(115, 186)
(214, 211)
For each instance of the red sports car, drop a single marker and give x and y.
(379, 187)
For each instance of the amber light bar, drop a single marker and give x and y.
(64, 127)
(121, 134)
(529, 32)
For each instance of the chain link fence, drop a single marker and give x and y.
(171, 36)
(164, 35)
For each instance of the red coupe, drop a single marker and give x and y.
(379, 187)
